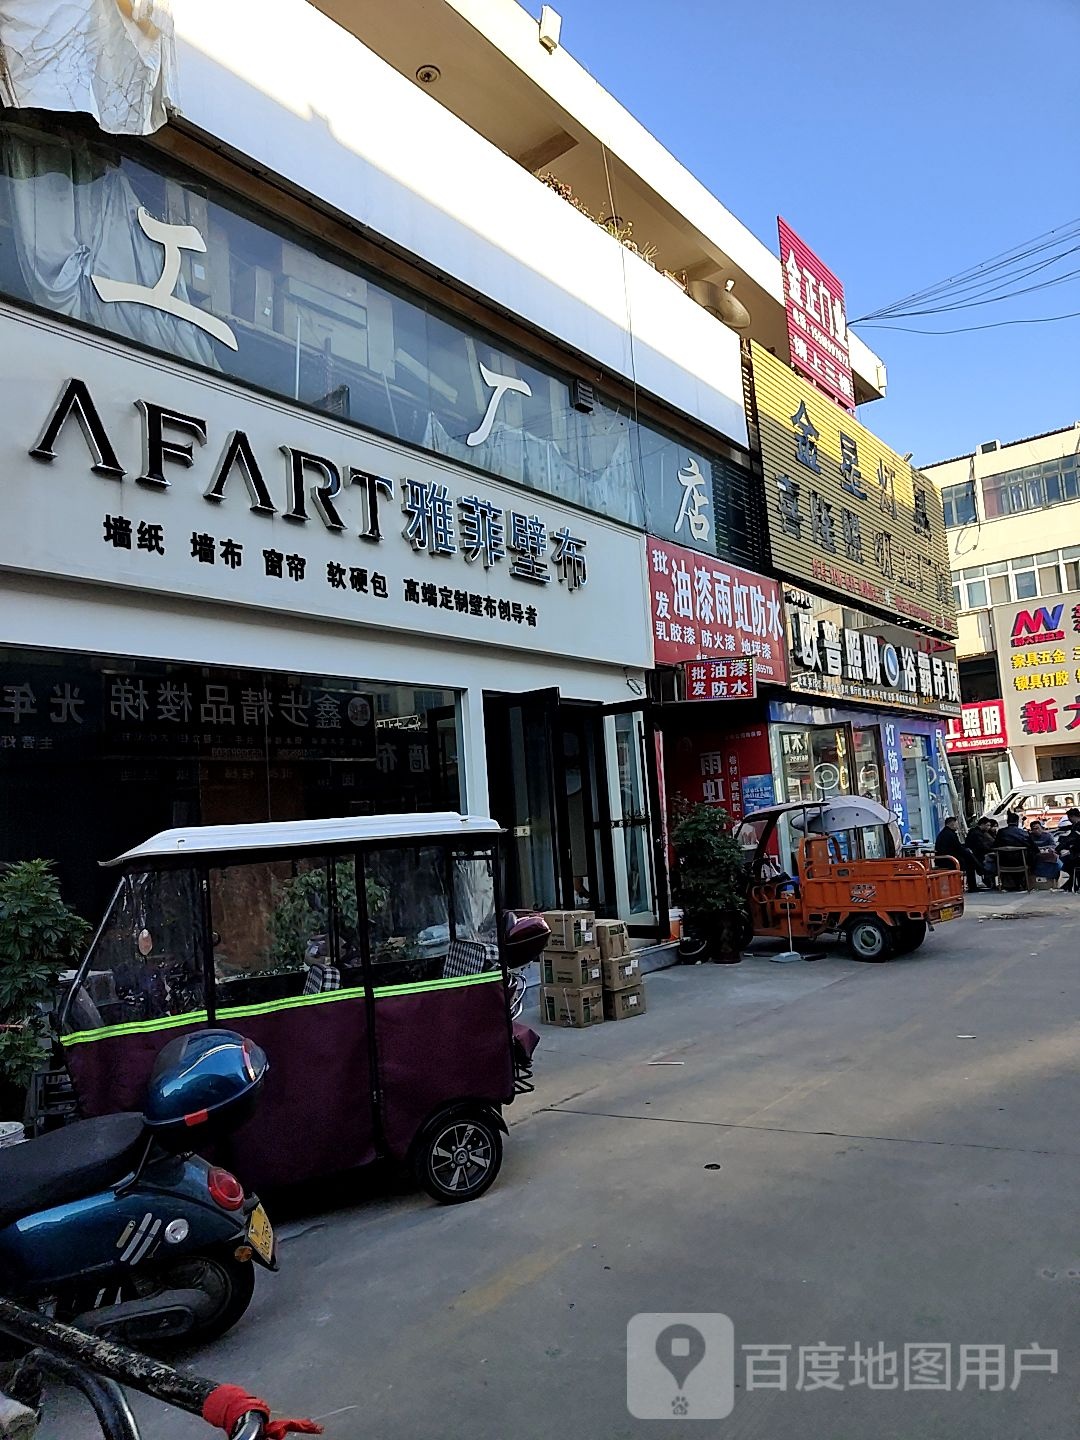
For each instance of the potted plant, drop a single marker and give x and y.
(710, 880)
(39, 937)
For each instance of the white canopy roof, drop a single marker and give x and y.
(308, 834)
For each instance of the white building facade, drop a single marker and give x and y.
(330, 440)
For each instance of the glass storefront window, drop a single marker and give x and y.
(816, 762)
(915, 757)
(868, 764)
(79, 216)
(125, 748)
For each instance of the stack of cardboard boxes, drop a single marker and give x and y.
(620, 975)
(587, 971)
(570, 991)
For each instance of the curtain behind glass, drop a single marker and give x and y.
(73, 214)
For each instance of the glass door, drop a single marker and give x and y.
(640, 869)
(587, 878)
(521, 778)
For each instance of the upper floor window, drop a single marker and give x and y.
(958, 502)
(1031, 487)
(1027, 577)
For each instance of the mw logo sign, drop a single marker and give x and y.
(1036, 627)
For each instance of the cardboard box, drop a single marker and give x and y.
(620, 974)
(575, 1009)
(570, 929)
(612, 938)
(624, 1004)
(570, 967)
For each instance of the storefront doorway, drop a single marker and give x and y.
(575, 786)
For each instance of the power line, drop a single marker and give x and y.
(966, 329)
(988, 299)
(987, 275)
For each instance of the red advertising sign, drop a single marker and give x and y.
(732, 770)
(979, 726)
(704, 609)
(733, 678)
(816, 319)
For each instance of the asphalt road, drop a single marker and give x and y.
(833, 1155)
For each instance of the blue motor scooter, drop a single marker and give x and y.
(114, 1225)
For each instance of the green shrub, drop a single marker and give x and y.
(39, 937)
(710, 881)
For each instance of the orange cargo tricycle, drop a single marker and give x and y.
(834, 867)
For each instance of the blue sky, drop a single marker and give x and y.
(905, 140)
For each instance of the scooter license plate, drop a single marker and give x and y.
(947, 913)
(261, 1234)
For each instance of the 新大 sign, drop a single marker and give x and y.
(1036, 627)
(1038, 656)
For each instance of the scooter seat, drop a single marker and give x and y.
(68, 1164)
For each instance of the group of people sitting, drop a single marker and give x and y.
(1048, 855)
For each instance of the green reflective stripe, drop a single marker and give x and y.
(454, 983)
(136, 1027)
(290, 1002)
(270, 1007)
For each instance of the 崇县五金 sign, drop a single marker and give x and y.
(1038, 649)
(846, 514)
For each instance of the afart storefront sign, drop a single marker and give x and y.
(846, 514)
(703, 609)
(872, 661)
(1038, 652)
(132, 472)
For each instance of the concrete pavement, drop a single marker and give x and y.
(831, 1154)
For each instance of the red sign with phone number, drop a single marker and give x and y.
(979, 726)
(817, 325)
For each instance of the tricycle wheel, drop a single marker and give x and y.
(458, 1158)
(868, 938)
(910, 934)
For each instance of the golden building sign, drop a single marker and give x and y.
(846, 513)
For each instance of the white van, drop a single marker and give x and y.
(1045, 800)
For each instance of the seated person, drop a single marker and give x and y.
(948, 843)
(1012, 834)
(980, 841)
(1068, 846)
(1047, 864)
